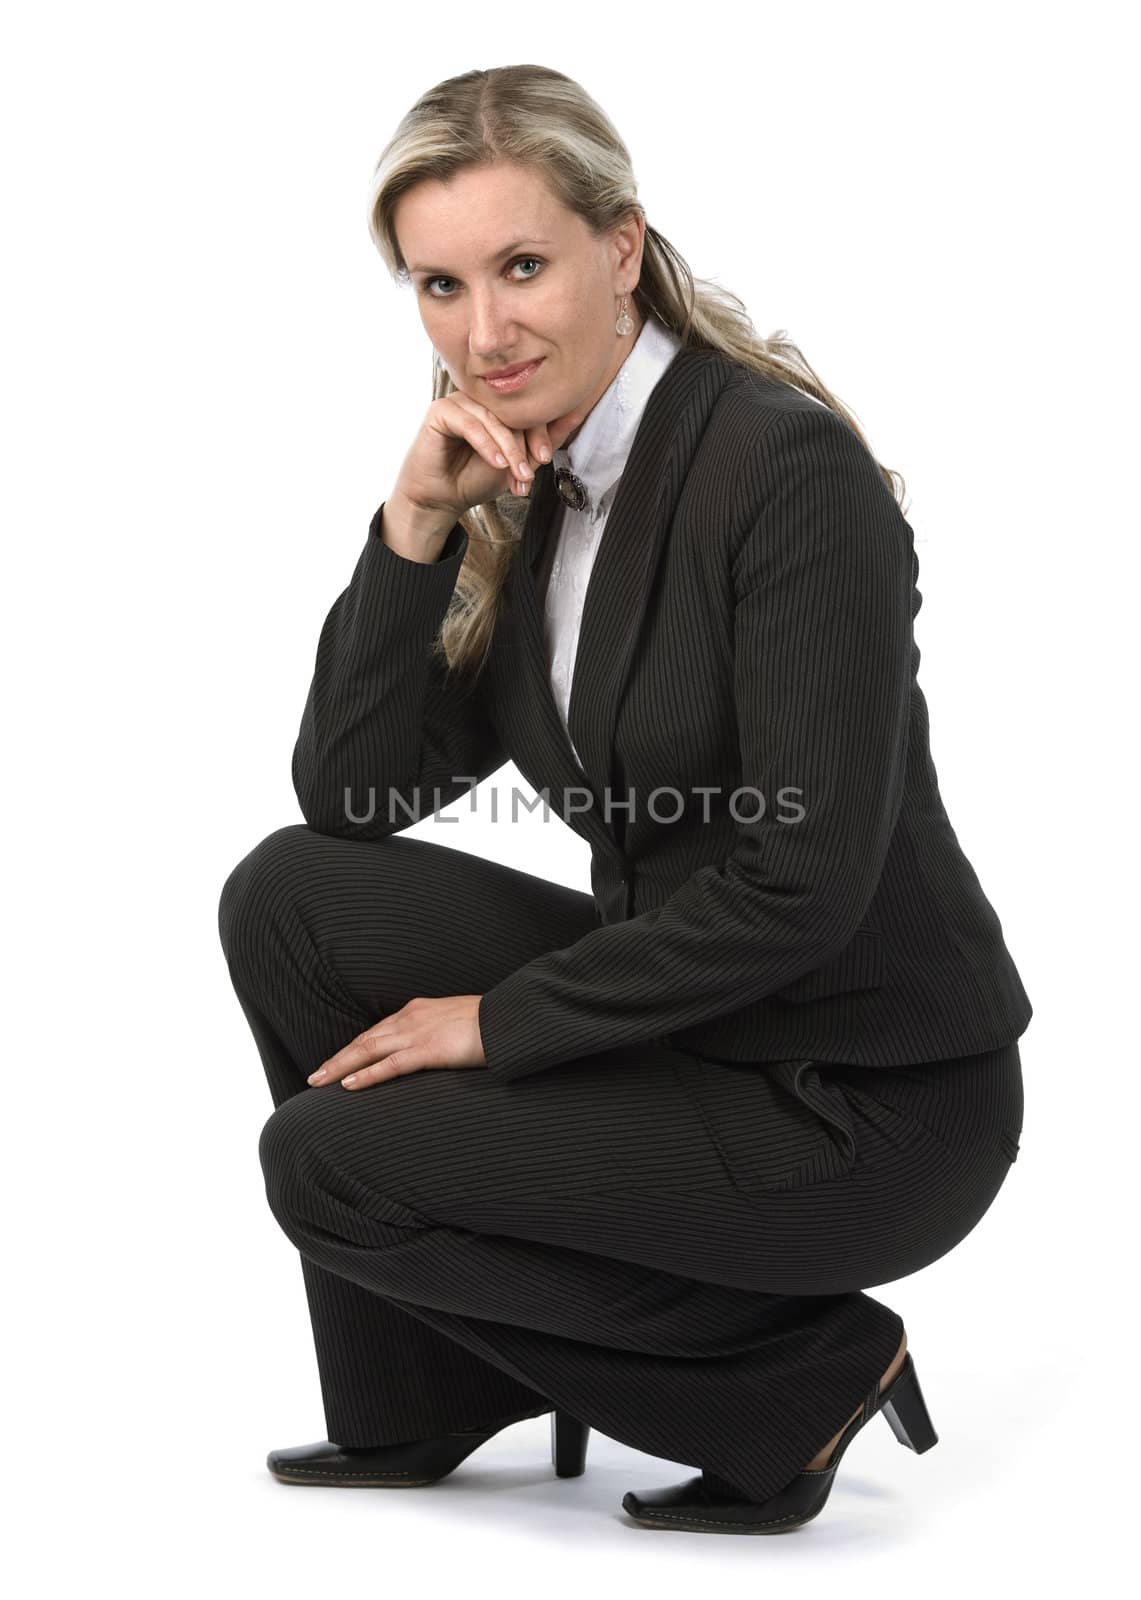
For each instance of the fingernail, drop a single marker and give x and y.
(525, 470)
(350, 1080)
(315, 1077)
(544, 453)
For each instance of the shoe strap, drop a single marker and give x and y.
(871, 1403)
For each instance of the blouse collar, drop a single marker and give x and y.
(597, 453)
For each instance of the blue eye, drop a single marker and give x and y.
(442, 278)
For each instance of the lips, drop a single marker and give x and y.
(509, 372)
(517, 378)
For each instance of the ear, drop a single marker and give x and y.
(628, 241)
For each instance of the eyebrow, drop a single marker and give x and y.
(506, 251)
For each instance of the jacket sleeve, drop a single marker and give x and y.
(388, 736)
(822, 583)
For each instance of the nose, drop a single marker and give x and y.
(489, 334)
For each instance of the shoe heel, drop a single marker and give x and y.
(907, 1412)
(569, 1439)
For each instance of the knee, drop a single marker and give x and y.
(310, 1189)
(282, 1151)
(255, 891)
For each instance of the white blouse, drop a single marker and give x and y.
(597, 455)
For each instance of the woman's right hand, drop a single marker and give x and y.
(454, 462)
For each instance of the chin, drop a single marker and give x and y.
(522, 416)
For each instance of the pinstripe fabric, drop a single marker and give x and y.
(786, 1055)
(747, 631)
(670, 1248)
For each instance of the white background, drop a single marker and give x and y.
(209, 384)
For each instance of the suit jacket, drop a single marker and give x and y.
(794, 888)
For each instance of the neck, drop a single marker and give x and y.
(626, 343)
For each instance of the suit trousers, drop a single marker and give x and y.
(672, 1249)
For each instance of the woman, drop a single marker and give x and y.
(772, 1059)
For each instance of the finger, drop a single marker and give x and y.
(462, 423)
(482, 439)
(545, 438)
(396, 1065)
(359, 1052)
(510, 443)
(539, 443)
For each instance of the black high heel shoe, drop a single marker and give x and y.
(708, 1504)
(420, 1461)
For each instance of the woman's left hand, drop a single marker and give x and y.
(424, 1033)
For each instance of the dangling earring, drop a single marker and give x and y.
(625, 323)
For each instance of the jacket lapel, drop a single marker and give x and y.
(621, 580)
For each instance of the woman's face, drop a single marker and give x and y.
(504, 273)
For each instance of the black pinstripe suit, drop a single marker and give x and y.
(768, 1062)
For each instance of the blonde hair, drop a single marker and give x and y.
(538, 117)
